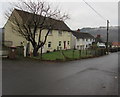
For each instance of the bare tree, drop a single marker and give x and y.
(39, 16)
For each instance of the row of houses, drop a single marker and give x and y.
(61, 37)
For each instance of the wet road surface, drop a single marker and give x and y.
(96, 76)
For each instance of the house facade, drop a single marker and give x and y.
(115, 44)
(56, 40)
(81, 40)
(99, 42)
(59, 38)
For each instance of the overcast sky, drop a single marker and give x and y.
(81, 15)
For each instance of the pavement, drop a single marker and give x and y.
(95, 76)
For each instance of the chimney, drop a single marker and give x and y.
(98, 36)
(78, 30)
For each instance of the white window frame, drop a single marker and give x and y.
(49, 44)
(60, 43)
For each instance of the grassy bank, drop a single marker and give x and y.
(70, 54)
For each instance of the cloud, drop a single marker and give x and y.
(80, 14)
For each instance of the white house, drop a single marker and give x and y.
(81, 40)
(99, 42)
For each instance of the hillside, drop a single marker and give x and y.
(113, 32)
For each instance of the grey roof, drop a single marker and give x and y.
(58, 25)
(82, 35)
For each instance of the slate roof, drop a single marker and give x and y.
(82, 35)
(58, 25)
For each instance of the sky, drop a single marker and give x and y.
(81, 15)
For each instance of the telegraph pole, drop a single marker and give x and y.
(107, 48)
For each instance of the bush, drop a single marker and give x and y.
(114, 50)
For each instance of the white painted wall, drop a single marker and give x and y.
(81, 43)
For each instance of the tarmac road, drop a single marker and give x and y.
(96, 76)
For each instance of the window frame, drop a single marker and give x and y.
(60, 43)
(68, 42)
(49, 44)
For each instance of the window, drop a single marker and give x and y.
(49, 44)
(60, 32)
(68, 42)
(83, 46)
(77, 46)
(90, 45)
(50, 32)
(83, 39)
(59, 43)
(21, 43)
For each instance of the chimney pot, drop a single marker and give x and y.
(98, 35)
(78, 30)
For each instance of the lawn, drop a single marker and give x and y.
(66, 54)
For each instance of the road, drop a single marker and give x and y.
(96, 76)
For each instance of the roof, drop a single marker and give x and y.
(116, 43)
(58, 25)
(82, 35)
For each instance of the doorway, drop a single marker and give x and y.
(64, 44)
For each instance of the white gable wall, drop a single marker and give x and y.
(83, 43)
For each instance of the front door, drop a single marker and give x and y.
(64, 44)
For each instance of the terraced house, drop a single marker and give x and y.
(59, 38)
(82, 40)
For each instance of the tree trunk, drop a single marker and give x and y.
(41, 54)
(35, 52)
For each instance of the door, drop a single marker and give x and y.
(64, 44)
